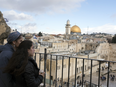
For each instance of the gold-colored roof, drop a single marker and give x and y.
(75, 29)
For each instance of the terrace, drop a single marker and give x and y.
(69, 78)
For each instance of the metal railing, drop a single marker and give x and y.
(44, 56)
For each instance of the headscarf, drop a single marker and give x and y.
(13, 36)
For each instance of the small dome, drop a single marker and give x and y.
(68, 22)
(28, 36)
(75, 29)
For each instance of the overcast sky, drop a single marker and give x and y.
(50, 16)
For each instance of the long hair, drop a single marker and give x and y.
(19, 59)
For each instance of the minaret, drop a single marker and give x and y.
(67, 27)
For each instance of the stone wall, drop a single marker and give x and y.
(4, 29)
(91, 46)
(112, 52)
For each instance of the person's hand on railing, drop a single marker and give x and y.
(41, 72)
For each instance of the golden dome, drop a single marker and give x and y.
(75, 29)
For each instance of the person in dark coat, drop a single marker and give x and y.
(23, 67)
(6, 51)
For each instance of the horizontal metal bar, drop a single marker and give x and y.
(82, 58)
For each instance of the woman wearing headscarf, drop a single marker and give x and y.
(6, 51)
(23, 67)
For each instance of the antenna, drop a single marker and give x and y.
(87, 29)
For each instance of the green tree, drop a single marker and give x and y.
(109, 40)
(23, 35)
(40, 34)
(114, 39)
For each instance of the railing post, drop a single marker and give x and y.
(62, 70)
(68, 71)
(91, 74)
(75, 71)
(56, 72)
(99, 74)
(50, 68)
(45, 57)
(83, 73)
(108, 75)
(35, 57)
(39, 61)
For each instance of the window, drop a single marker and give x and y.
(88, 68)
(78, 62)
(58, 67)
(51, 77)
(64, 66)
(81, 68)
(77, 70)
(85, 67)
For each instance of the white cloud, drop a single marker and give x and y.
(40, 6)
(54, 32)
(107, 28)
(29, 27)
(12, 15)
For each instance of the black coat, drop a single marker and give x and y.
(6, 51)
(30, 77)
